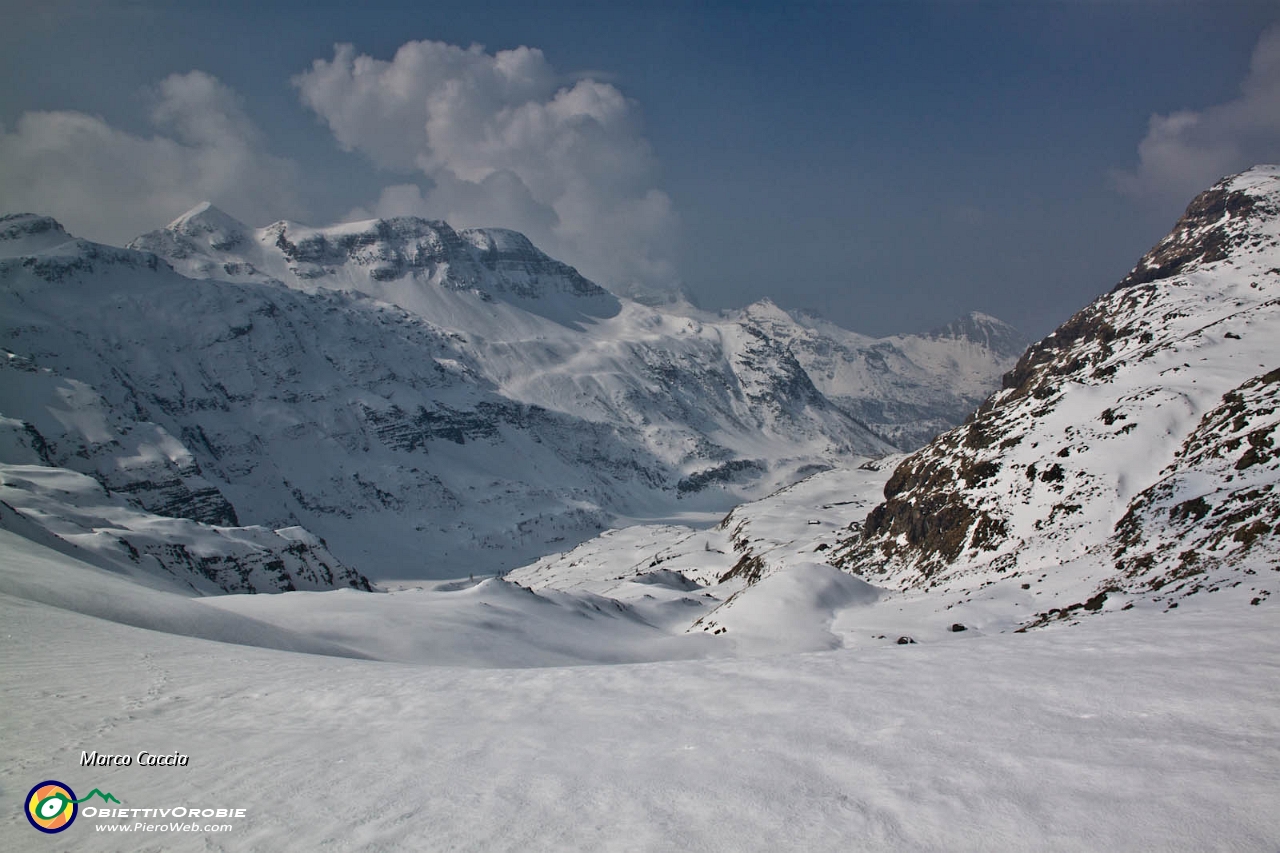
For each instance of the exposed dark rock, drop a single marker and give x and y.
(1203, 235)
(728, 472)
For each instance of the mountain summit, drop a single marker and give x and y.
(1136, 447)
(405, 260)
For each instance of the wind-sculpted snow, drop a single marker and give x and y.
(757, 582)
(50, 573)
(1115, 442)
(1145, 732)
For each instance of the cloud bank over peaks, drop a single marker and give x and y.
(109, 185)
(1185, 151)
(503, 140)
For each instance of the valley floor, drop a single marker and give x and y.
(1141, 730)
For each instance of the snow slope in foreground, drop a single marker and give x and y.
(1133, 731)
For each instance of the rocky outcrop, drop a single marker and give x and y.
(1215, 511)
(1215, 224)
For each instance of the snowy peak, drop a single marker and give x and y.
(392, 259)
(767, 310)
(1235, 222)
(28, 234)
(212, 226)
(996, 335)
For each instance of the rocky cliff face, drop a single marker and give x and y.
(75, 515)
(1135, 443)
(71, 426)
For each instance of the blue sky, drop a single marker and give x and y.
(888, 165)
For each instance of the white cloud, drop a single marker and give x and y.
(503, 140)
(1186, 151)
(108, 185)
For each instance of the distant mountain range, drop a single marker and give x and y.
(425, 401)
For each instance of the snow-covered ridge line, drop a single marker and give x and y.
(1137, 443)
(492, 263)
(471, 400)
(905, 388)
(1132, 461)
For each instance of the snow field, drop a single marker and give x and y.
(1148, 731)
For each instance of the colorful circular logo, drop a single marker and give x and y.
(51, 806)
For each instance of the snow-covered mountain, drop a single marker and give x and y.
(1133, 454)
(430, 402)
(1137, 446)
(907, 388)
(128, 496)
(411, 262)
(1132, 460)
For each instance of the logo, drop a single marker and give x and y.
(52, 806)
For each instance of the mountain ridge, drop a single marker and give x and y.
(477, 409)
(1120, 439)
